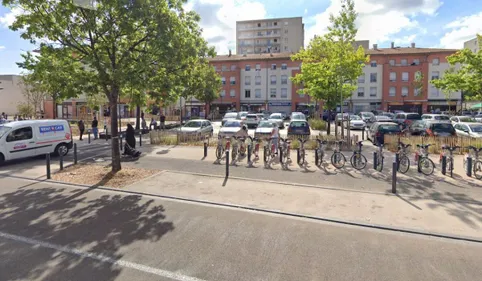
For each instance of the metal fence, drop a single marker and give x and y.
(391, 142)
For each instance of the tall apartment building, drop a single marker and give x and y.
(472, 45)
(270, 35)
(11, 93)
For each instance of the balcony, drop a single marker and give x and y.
(262, 27)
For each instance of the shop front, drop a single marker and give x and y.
(253, 107)
(416, 107)
(280, 107)
(441, 106)
(222, 107)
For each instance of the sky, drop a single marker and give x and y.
(428, 23)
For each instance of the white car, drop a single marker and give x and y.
(436, 117)
(242, 115)
(199, 127)
(229, 116)
(356, 122)
(278, 119)
(297, 116)
(264, 129)
(458, 119)
(478, 117)
(473, 130)
(230, 127)
(252, 120)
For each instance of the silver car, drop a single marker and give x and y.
(278, 119)
(264, 129)
(230, 127)
(229, 116)
(252, 120)
(198, 127)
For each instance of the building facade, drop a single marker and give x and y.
(472, 45)
(269, 36)
(11, 94)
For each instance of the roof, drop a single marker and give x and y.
(236, 57)
(407, 51)
(33, 122)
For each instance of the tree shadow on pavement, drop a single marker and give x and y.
(102, 225)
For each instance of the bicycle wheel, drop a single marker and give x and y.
(234, 154)
(219, 152)
(338, 160)
(403, 164)
(358, 161)
(320, 158)
(302, 157)
(265, 155)
(478, 170)
(379, 166)
(426, 166)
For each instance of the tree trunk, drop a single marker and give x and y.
(328, 123)
(138, 117)
(116, 163)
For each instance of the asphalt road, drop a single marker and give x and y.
(57, 232)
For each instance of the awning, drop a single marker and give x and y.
(476, 106)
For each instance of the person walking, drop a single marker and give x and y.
(81, 128)
(95, 129)
(163, 121)
(130, 136)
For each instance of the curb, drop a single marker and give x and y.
(276, 212)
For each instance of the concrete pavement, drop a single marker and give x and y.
(59, 232)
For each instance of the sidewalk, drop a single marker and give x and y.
(452, 218)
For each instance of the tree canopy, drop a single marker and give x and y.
(467, 77)
(117, 46)
(331, 64)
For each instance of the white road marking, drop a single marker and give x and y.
(101, 258)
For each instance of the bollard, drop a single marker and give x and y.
(75, 154)
(280, 155)
(227, 163)
(47, 157)
(265, 151)
(375, 160)
(444, 165)
(469, 166)
(249, 154)
(88, 134)
(120, 142)
(418, 164)
(61, 161)
(140, 139)
(397, 159)
(394, 177)
(363, 134)
(298, 155)
(316, 157)
(452, 168)
(205, 148)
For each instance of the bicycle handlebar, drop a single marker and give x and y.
(302, 140)
(450, 148)
(424, 145)
(403, 145)
(284, 140)
(474, 148)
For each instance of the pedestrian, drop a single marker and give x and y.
(130, 136)
(81, 128)
(163, 121)
(95, 129)
(144, 124)
(153, 124)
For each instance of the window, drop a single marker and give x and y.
(284, 79)
(247, 94)
(373, 91)
(416, 62)
(393, 76)
(436, 61)
(224, 68)
(273, 66)
(247, 80)
(20, 134)
(404, 76)
(258, 67)
(223, 79)
(284, 93)
(435, 75)
(223, 93)
(373, 63)
(361, 79)
(286, 23)
(416, 92)
(257, 80)
(260, 34)
(404, 62)
(286, 48)
(257, 93)
(259, 24)
(286, 31)
(247, 67)
(284, 66)
(273, 79)
(392, 92)
(404, 91)
(232, 93)
(373, 77)
(361, 92)
(232, 80)
(272, 93)
(391, 62)
(434, 91)
(233, 67)
(215, 68)
(286, 40)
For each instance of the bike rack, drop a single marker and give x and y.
(444, 165)
(375, 160)
(469, 166)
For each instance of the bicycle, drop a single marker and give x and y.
(222, 147)
(269, 153)
(358, 160)
(234, 150)
(320, 151)
(285, 153)
(338, 160)
(476, 162)
(424, 164)
(403, 160)
(450, 159)
(302, 160)
(255, 149)
(380, 157)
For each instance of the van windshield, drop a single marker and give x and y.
(3, 130)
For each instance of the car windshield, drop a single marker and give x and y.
(355, 117)
(476, 128)
(243, 114)
(3, 130)
(413, 117)
(251, 117)
(298, 117)
(275, 116)
(265, 125)
(231, 115)
(232, 124)
(443, 128)
(367, 114)
(466, 119)
(298, 124)
(193, 124)
(381, 117)
(441, 117)
(389, 128)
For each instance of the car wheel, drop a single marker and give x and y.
(61, 149)
(2, 159)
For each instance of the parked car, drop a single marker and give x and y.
(478, 117)
(264, 129)
(261, 116)
(378, 130)
(356, 122)
(198, 127)
(338, 118)
(389, 115)
(278, 119)
(431, 128)
(242, 115)
(297, 116)
(366, 116)
(436, 117)
(229, 116)
(299, 127)
(23, 139)
(252, 120)
(380, 118)
(230, 127)
(457, 119)
(406, 119)
(473, 130)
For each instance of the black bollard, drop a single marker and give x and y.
(120, 142)
(418, 164)
(140, 139)
(469, 166)
(249, 154)
(444, 165)
(88, 134)
(363, 134)
(227, 163)
(75, 154)
(397, 159)
(394, 177)
(61, 162)
(281, 155)
(47, 157)
(298, 156)
(375, 160)
(265, 152)
(316, 156)
(205, 148)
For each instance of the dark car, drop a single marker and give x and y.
(299, 127)
(431, 128)
(379, 129)
(406, 119)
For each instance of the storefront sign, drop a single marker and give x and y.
(280, 103)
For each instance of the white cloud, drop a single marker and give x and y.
(405, 40)
(2, 47)
(306, 11)
(7, 19)
(461, 30)
(377, 20)
(218, 19)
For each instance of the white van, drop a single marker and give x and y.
(29, 138)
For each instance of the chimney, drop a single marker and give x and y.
(229, 52)
(413, 45)
(393, 45)
(375, 46)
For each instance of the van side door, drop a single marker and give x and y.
(20, 143)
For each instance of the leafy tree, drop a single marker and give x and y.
(467, 77)
(25, 109)
(33, 94)
(210, 84)
(115, 46)
(331, 63)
